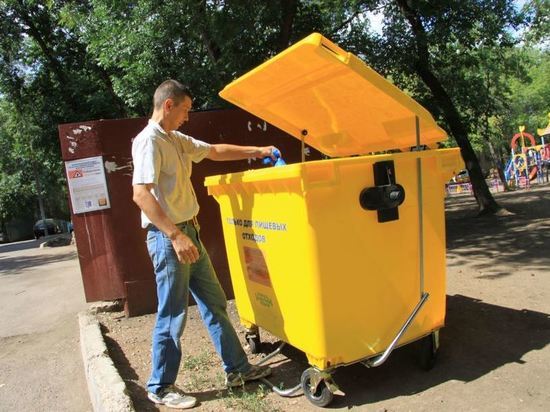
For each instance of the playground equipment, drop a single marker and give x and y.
(546, 158)
(527, 162)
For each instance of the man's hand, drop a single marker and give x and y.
(185, 248)
(267, 151)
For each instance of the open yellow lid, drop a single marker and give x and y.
(316, 91)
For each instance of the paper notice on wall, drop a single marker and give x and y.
(87, 184)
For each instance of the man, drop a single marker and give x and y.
(162, 189)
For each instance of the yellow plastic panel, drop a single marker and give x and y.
(316, 91)
(312, 267)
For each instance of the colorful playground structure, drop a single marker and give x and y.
(528, 163)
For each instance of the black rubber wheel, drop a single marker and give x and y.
(322, 395)
(254, 343)
(428, 352)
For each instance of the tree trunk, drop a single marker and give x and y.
(485, 200)
(499, 164)
(43, 38)
(33, 31)
(40, 199)
(214, 51)
(288, 9)
(43, 34)
(118, 102)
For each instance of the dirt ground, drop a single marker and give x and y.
(494, 353)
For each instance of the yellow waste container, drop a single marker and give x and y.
(342, 258)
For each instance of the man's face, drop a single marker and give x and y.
(176, 114)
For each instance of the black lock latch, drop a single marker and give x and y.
(386, 196)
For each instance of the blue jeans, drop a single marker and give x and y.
(174, 281)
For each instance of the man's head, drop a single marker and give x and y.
(172, 102)
(170, 89)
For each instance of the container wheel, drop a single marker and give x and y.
(319, 396)
(429, 346)
(254, 343)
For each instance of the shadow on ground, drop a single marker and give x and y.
(22, 245)
(480, 338)
(521, 239)
(138, 394)
(14, 265)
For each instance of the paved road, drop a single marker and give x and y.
(40, 361)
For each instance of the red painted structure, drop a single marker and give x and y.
(111, 244)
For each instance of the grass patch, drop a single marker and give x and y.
(199, 369)
(200, 362)
(252, 401)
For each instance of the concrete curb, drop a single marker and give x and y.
(108, 392)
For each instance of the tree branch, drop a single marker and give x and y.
(484, 198)
(287, 20)
(214, 51)
(24, 15)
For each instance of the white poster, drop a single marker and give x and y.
(87, 184)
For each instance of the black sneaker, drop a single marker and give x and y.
(255, 372)
(172, 397)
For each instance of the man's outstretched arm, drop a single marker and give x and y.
(235, 152)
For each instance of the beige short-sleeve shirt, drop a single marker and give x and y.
(165, 159)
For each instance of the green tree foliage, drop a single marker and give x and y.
(538, 15)
(15, 191)
(439, 51)
(205, 43)
(66, 61)
(46, 78)
(525, 91)
(528, 97)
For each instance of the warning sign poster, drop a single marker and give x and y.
(87, 184)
